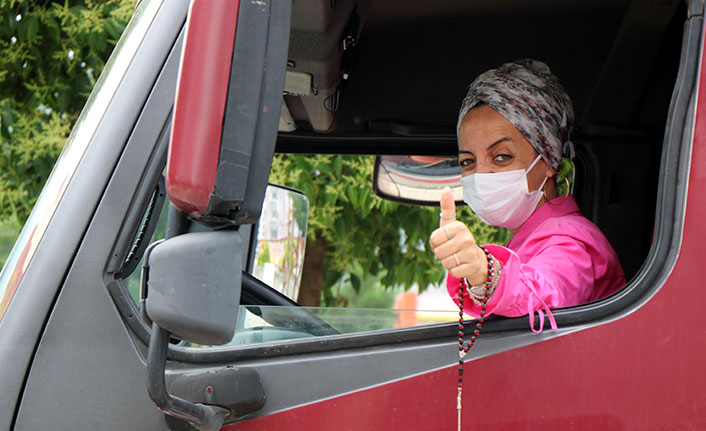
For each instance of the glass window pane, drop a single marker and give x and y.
(263, 324)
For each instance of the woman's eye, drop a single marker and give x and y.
(465, 163)
(503, 158)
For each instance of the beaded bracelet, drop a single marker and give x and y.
(477, 292)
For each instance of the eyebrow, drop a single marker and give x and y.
(506, 138)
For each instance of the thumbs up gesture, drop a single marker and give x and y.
(454, 245)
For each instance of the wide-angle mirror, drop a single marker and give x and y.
(416, 179)
(281, 240)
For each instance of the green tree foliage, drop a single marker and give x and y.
(8, 232)
(51, 53)
(264, 257)
(363, 232)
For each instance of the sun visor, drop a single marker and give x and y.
(227, 109)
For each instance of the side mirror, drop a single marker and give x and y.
(227, 109)
(416, 179)
(193, 283)
(281, 240)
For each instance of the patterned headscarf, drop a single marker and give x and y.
(527, 94)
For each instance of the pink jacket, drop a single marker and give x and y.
(557, 258)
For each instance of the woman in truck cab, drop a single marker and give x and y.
(513, 128)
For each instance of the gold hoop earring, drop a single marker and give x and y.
(568, 191)
(568, 185)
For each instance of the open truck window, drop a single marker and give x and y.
(356, 302)
(349, 78)
(358, 91)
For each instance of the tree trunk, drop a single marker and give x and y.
(314, 274)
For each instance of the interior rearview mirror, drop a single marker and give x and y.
(416, 179)
(193, 285)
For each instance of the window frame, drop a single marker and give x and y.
(662, 256)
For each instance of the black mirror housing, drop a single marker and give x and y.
(227, 109)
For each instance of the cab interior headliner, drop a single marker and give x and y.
(415, 59)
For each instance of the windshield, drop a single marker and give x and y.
(29, 238)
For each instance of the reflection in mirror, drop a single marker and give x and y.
(416, 179)
(281, 239)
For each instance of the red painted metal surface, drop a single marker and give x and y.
(204, 73)
(645, 371)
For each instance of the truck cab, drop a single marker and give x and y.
(111, 320)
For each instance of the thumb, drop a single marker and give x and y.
(448, 206)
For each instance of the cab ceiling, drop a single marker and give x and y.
(414, 59)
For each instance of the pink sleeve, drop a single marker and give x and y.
(559, 274)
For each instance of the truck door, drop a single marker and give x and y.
(316, 373)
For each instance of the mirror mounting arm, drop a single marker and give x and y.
(201, 416)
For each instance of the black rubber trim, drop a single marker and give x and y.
(312, 143)
(146, 231)
(255, 292)
(386, 143)
(440, 332)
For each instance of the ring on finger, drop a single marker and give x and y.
(458, 263)
(448, 235)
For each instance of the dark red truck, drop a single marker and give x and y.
(83, 347)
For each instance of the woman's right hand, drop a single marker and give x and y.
(455, 247)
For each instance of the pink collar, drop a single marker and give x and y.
(557, 207)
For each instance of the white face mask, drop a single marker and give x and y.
(502, 198)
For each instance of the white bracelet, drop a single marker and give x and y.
(477, 292)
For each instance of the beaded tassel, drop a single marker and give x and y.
(463, 349)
